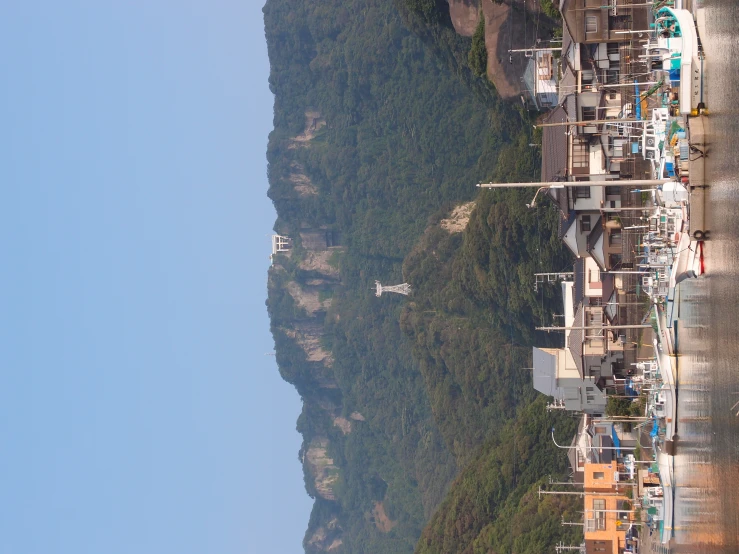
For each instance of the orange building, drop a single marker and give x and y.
(606, 517)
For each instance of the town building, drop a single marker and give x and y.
(608, 512)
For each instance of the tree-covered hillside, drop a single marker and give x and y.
(375, 140)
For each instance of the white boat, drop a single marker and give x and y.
(688, 263)
(677, 47)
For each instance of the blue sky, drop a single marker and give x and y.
(138, 412)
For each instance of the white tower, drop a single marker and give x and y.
(404, 289)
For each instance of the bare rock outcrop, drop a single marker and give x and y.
(308, 338)
(325, 473)
(383, 523)
(308, 298)
(325, 538)
(458, 219)
(319, 261)
(313, 123)
(344, 424)
(465, 16)
(301, 182)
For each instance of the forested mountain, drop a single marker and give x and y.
(379, 133)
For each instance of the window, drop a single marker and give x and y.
(591, 24)
(582, 192)
(614, 239)
(599, 475)
(613, 191)
(588, 113)
(599, 514)
(585, 223)
(581, 158)
(611, 76)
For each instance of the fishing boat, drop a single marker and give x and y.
(676, 51)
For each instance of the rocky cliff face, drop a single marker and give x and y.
(324, 471)
(306, 279)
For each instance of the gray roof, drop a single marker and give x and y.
(565, 225)
(566, 37)
(554, 146)
(576, 339)
(579, 271)
(567, 82)
(593, 237)
(609, 286)
(570, 105)
(545, 372)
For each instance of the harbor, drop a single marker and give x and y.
(627, 158)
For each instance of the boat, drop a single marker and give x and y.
(677, 48)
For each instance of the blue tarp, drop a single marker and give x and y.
(655, 429)
(616, 442)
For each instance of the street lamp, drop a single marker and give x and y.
(533, 202)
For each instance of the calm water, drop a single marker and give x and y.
(707, 463)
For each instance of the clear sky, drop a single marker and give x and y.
(138, 411)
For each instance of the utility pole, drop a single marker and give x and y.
(561, 547)
(591, 328)
(565, 482)
(526, 50)
(591, 122)
(562, 184)
(617, 210)
(581, 493)
(572, 523)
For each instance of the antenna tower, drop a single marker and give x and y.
(542, 278)
(404, 289)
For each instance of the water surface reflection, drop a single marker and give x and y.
(707, 462)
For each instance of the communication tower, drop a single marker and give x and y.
(404, 289)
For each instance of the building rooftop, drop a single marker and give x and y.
(576, 339)
(554, 146)
(579, 270)
(545, 371)
(593, 239)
